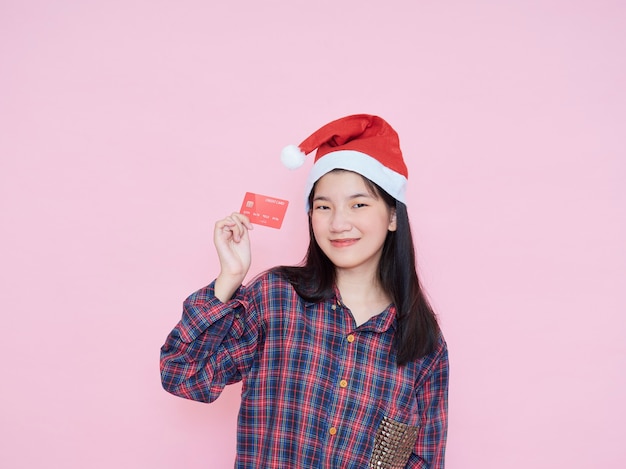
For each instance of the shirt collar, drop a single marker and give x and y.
(379, 323)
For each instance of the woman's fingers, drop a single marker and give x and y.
(234, 225)
(242, 221)
(237, 225)
(233, 249)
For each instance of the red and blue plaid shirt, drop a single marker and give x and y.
(318, 392)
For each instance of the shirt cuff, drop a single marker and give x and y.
(203, 309)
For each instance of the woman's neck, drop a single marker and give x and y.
(362, 294)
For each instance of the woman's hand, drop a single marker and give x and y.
(232, 242)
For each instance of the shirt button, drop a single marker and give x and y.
(332, 431)
(343, 383)
(350, 338)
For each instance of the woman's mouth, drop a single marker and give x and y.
(342, 243)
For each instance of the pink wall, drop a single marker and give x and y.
(128, 127)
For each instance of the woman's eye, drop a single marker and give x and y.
(321, 207)
(360, 205)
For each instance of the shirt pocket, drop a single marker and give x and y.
(395, 440)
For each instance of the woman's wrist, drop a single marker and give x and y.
(226, 286)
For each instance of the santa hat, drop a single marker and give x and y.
(361, 143)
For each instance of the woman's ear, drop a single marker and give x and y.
(392, 221)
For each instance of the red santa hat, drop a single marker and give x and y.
(361, 143)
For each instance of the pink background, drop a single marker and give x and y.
(128, 127)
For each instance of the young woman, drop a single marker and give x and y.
(342, 361)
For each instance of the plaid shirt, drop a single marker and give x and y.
(318, 392)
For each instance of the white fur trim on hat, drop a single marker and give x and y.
(393, 183)
(292, 157)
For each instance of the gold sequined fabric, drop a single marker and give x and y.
(393, 444)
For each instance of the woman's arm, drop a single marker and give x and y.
(432, 397)
(213, 345)
(215, 339)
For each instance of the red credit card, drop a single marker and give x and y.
(264, 210)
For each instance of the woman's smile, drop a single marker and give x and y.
(344, 242)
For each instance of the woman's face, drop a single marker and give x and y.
(350, 222)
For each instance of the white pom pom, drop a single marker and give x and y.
(292, 157)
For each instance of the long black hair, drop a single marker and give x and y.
(417, 330)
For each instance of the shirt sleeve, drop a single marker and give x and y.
(432, 397)
(213, 345)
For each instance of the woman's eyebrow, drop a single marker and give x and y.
(353, 196)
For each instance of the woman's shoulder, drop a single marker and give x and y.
(438, 353)
(271, 279)
(291, 280)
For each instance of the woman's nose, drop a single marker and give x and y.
(340, 221)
